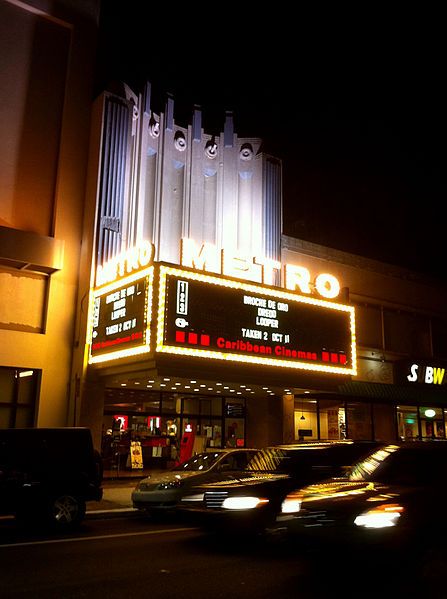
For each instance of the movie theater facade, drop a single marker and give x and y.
(206, 326)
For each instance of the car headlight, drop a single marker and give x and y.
(382, 516)
(243, 503)
(292, 503)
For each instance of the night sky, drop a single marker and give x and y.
(356, 113)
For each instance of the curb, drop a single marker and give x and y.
(111, 513)
(93, 514)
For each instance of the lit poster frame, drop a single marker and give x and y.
(121, 317)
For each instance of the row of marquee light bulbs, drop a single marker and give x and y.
(194, 386)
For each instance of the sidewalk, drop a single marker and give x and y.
(116, 494)
(116, 498)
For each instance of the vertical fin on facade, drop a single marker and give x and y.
(272, 208)
(113, 169)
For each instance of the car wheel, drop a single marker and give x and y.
(66, 511)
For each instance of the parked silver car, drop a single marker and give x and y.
(160, 492)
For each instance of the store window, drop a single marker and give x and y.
(407, 422)
(211, 428)
(203, 415)
(156, 434)
(424, 422)
(200, 405)
(234, 422)
(211, 406)
(332, 419)
(191, 405)
(171, 403)
(159, 422)
(18, 397)
(305, 419)
(359, 421)
(432, 422)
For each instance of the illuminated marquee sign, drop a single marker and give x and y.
(257, 269)
(211, 317)
(121, 317)
(126, 263)
(207, 257)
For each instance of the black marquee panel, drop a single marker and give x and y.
(216, 318)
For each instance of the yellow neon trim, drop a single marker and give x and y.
(147, 274)
(140, 274)
(195, 276)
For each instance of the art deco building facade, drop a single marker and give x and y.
(153, 180)
(208, 204)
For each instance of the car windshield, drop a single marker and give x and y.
(270, 460)
(299, 458)
(367, 468)
(409, 465)
(199, 462)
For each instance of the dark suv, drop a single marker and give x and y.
(48, 474)
(249, 500)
